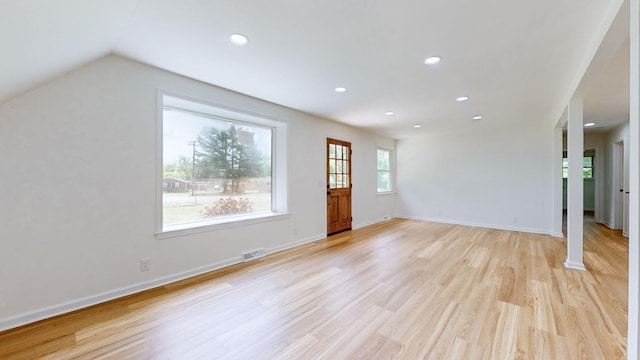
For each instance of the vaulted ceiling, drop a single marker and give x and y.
(516, 60)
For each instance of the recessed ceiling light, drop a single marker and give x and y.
(462, 98)
(389, 113)
(589, 124)
(432, 60)
(239, 39)
(417, 126)
(340, 89)
(477, 117)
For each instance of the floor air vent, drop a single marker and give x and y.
(254, 254)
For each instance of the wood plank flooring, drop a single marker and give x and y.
(397, 290)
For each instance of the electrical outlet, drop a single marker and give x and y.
(145, 264)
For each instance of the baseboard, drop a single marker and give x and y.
(557, 234)
(69, 306)
(375, 221)
(481, 225)
(66, 307)
(609, 225)
(296, 243)
(574, 265)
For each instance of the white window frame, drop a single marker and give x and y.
(390, 171)
(592, 167)
(279, 187)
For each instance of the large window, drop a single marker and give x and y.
(587, 167)
(385, 179)
(217, 166)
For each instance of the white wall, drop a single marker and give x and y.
(500, 178)
(611, 189)
(78, 198)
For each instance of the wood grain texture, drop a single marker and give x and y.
(396, 290)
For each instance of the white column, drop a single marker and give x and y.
(575, 184)
(633, 331)
(556, 221)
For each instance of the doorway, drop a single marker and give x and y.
(621, 217)
(339, 185)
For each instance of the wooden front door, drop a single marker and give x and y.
(338, 186)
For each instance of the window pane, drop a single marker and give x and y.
(345, 152)
(587, 173)
(215, 168)
(332, 166)
(383, 159)
(339, 182)
(339, 166)
(332, 181)
(565, 173)
(346, 181)
(587, 161)
(384, 170)
(338, 151)
(332, 151)
(383, 181)
(565, 162)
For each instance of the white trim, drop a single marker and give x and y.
(557, 234)
(481, 225)
(374, 221)
(633, 302)
(385, 193)
(73, 305)
(159, 150)
(574, 265)
(224, 223)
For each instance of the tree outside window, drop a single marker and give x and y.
(384, 171)
(218, 168)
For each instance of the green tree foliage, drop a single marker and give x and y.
(383, 170)
(221, 155)
(180, 170)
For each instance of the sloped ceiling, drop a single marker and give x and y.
(40, 39)
(514, 59)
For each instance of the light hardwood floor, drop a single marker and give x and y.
(397, 290)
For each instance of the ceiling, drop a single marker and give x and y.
(607, 102)
(516, 60)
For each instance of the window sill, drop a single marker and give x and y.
(385, 193)
(213, 225)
